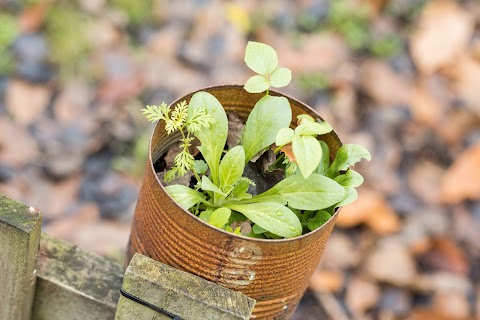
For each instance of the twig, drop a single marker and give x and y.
(331, 306)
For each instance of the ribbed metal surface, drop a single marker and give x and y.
(274, 272)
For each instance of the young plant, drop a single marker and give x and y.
(312, 186)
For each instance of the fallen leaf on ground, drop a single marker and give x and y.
(453, 305)
(362, 295)
(31, 18)
(444, 254)
(26, 101)
(426, 109)
(460, 181)
(443, 32)
(327, 280)
(383, 85)
(17, 147)
(465, 76)
(391, 262)
(371, 209)
(430, 314)
(424, 179)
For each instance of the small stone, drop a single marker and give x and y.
(396, 300)
(6, 173)
(115, 197)
(361, 295)
(391, 262)
(245, 227)
(31, 52)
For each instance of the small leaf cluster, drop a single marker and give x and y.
(179, 120)
(263, 60)
(313, 185)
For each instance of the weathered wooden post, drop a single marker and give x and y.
(74, 284)
(153, 290)
(20, 228)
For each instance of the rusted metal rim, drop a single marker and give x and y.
(239, 87)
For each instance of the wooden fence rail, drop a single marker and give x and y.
(45, 278)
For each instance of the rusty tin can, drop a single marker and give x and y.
(273, 272)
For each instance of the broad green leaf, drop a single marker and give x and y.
(208, 185)
(307, 152)
(284, 136)
(257, 229)
(184, 196)
(269, 115)
(350, 179)
(256, 84)
(236, 216)
(213, 138)
(219, 217)
(271, 216)
(347, 156)
(231, 168)
(260, 57)
(315, 193)
(311, 128)
(325, 162)
(305, 118)
(200, 166)
(270, 235)
(205, 215)
(318, 220)
(280, 77)
(257, 236)
(239, 192)
(352, 195)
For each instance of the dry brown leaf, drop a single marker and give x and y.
(25, 101)
(372, 209)
(460, 181)
(376, 6)
(327, 281)
(32, 18)
(383, 85)
(430, 314)
(424, 179)
(446, 255)
(453, 304)
(362, 295)
(17, 147)
(287, 149)
(442, 34)
(317, 52)
(426, 109)
(456, 125)
(391, 261)
(466, 79)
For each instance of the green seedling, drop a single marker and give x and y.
(313, 186)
